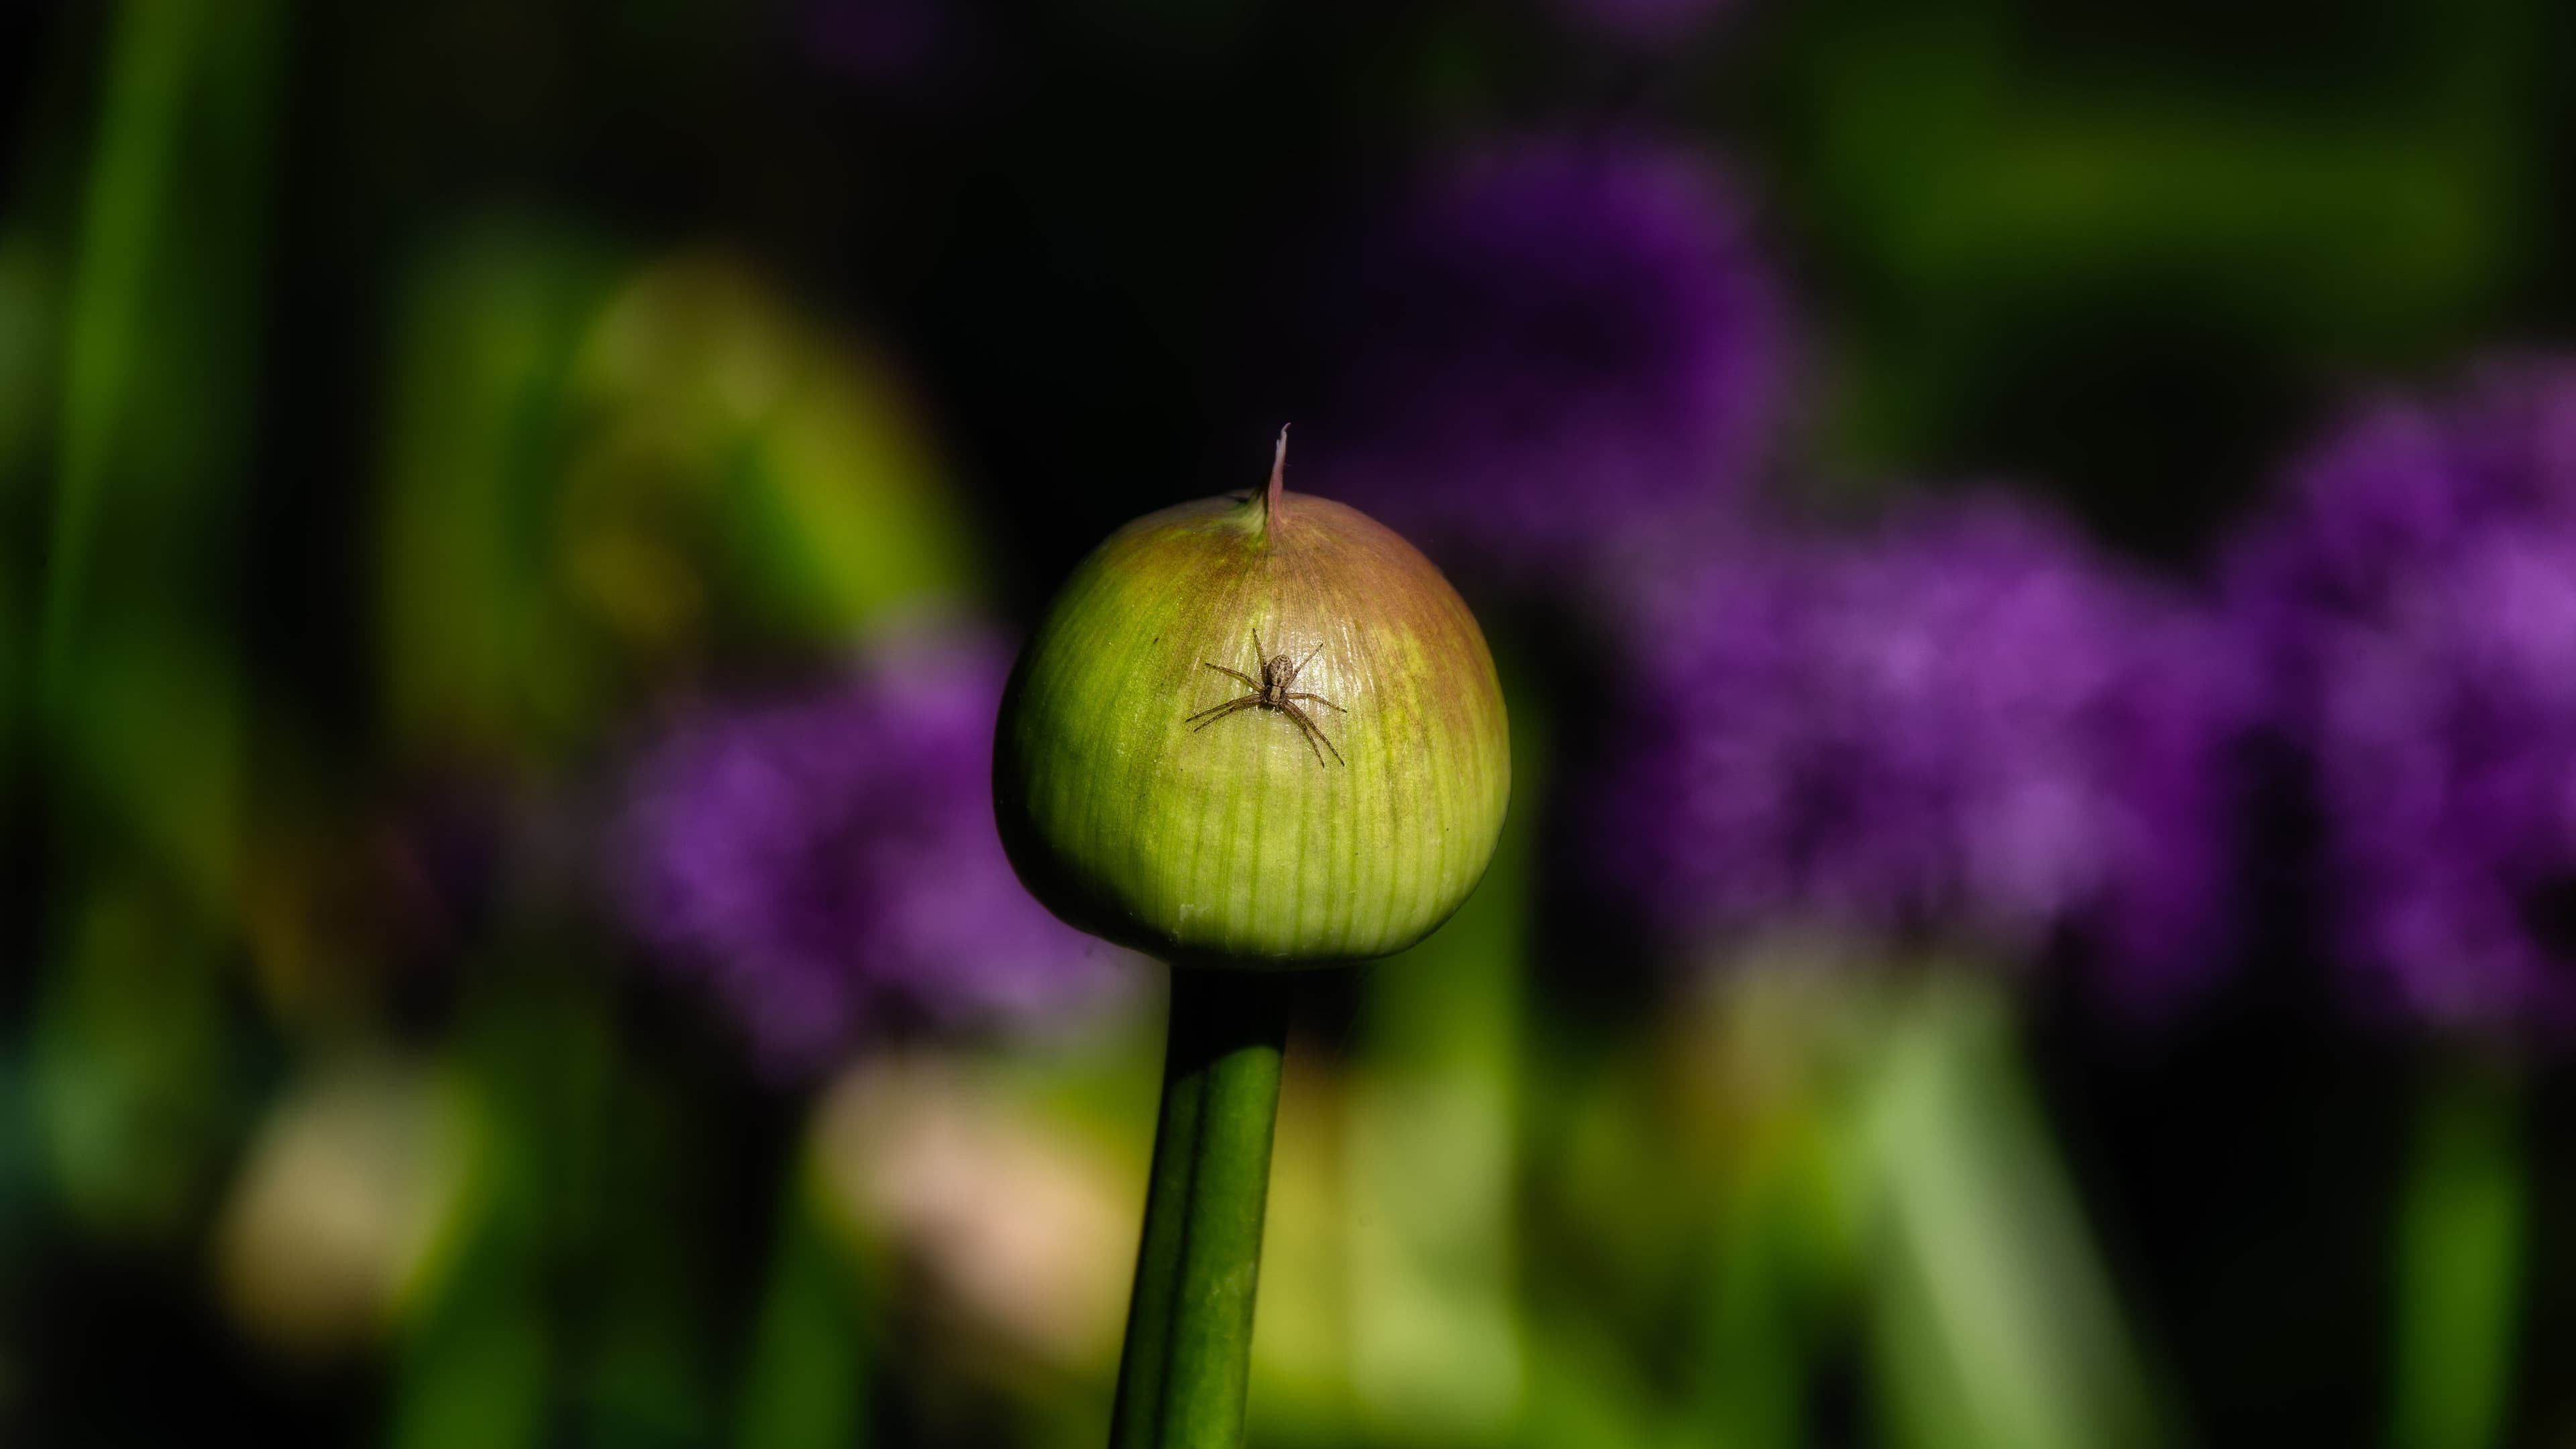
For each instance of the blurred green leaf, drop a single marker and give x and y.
(828, 505)
(1994, 196)
(136, 672)
(133, 1075)
(30, 315)
(471, 1371)
(480, 435)
(1586, 1386)
(155, 760)
(805, 1381)
(483, 1356)
(2460, 1261)
(161, 324)
(1995, 1322)
(595, 485)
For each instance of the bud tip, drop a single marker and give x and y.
(1278, 472)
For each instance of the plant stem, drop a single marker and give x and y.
(1996, 1319)
(1189, 1325)
(805, 1383)
(2463, 1257)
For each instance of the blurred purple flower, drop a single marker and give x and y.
(907, 50)
(2403, 482)
(1554, 347)
(828, 862)
(1645, 21)
(2417, 600)
(1968, 727)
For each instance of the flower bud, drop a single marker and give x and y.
(1258, 730)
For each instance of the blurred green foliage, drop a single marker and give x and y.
(599, 476)
(2098, 248)
(134, 1077)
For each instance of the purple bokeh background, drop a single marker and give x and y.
(828, 864)
(1542, 353)
(1964, 727)
(2414, 595)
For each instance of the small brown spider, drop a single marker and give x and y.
(1272, 692)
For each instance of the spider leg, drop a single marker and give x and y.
(1317, 698)
(1213, 713)
(1313, 732)
(1300, 666)
(1248, 681)
(1305, 731)
(1318, 728)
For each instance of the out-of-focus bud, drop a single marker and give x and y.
(1016, 1229)
(592, 484)
(816, 501)
(341, 1204)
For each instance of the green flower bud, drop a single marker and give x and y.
(1257, 730)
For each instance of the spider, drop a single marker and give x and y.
(1271, 692)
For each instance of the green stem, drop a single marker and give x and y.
(1996, 1319)
(805, 1384)
(1189, 1325)
(2462, 1258)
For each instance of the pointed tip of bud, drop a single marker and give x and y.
(1270, 500)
